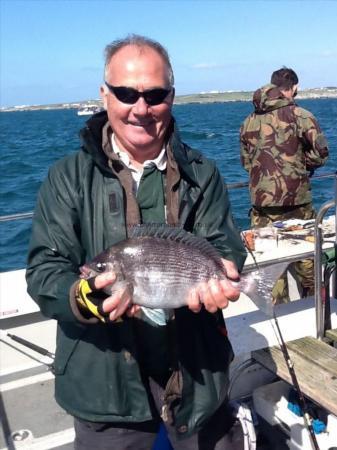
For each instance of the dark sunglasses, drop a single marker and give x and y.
(130, 95)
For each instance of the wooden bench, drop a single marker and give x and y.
(331, 334)
(315, 364)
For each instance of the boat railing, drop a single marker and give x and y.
(18, 216)
(239, 185)
(320, 304)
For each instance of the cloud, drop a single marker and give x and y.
(207, 66)
(328, 53)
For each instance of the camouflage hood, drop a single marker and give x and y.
(268, 98)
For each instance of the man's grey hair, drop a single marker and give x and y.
(141, 42)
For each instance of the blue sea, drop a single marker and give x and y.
(32, 141)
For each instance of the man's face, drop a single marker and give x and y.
(139, 128)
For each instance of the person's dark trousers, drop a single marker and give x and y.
(221, 432)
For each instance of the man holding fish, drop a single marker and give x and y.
(128, 356)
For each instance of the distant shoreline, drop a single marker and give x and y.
(206, 97)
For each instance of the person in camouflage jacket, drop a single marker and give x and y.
(281, 146)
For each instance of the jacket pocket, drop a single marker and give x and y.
(67, 340)
(97, 378)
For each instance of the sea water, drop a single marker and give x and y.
(31, 141)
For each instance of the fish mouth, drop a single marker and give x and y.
(86, 272)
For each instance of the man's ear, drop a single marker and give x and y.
(288, 93)
(104, 94)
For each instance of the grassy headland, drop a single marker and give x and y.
(206, 97)
(244, 96)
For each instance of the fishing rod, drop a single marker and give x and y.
(268, 274)
(31, 346)
(294, 379)
(264, 277)
(263, 272)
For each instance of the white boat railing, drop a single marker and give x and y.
(241, 184)
(320, 305)
(19, 216)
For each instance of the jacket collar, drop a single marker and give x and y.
(91, 140)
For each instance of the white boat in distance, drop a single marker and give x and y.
(88, 110)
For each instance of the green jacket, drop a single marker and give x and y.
(97, 376)
(280, 143)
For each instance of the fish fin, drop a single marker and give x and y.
(258, 284)
(177, 234)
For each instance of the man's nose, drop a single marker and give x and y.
(140, 107)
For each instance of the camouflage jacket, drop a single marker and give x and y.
(280, 143)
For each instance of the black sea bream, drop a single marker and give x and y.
(160, 265)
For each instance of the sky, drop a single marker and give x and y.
(52, 50)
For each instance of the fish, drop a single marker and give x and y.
(161, 264)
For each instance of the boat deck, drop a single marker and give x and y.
(315, 363)
(31, 419)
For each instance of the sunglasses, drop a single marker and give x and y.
(130, 95)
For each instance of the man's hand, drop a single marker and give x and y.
(111, 308)
(215, 294)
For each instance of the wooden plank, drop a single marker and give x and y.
(317, 352)
(315, 364)
(331, 334)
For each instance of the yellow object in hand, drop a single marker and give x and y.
(90, 302)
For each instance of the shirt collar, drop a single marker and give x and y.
(160, 161)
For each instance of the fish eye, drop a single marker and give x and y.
(100, 267)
